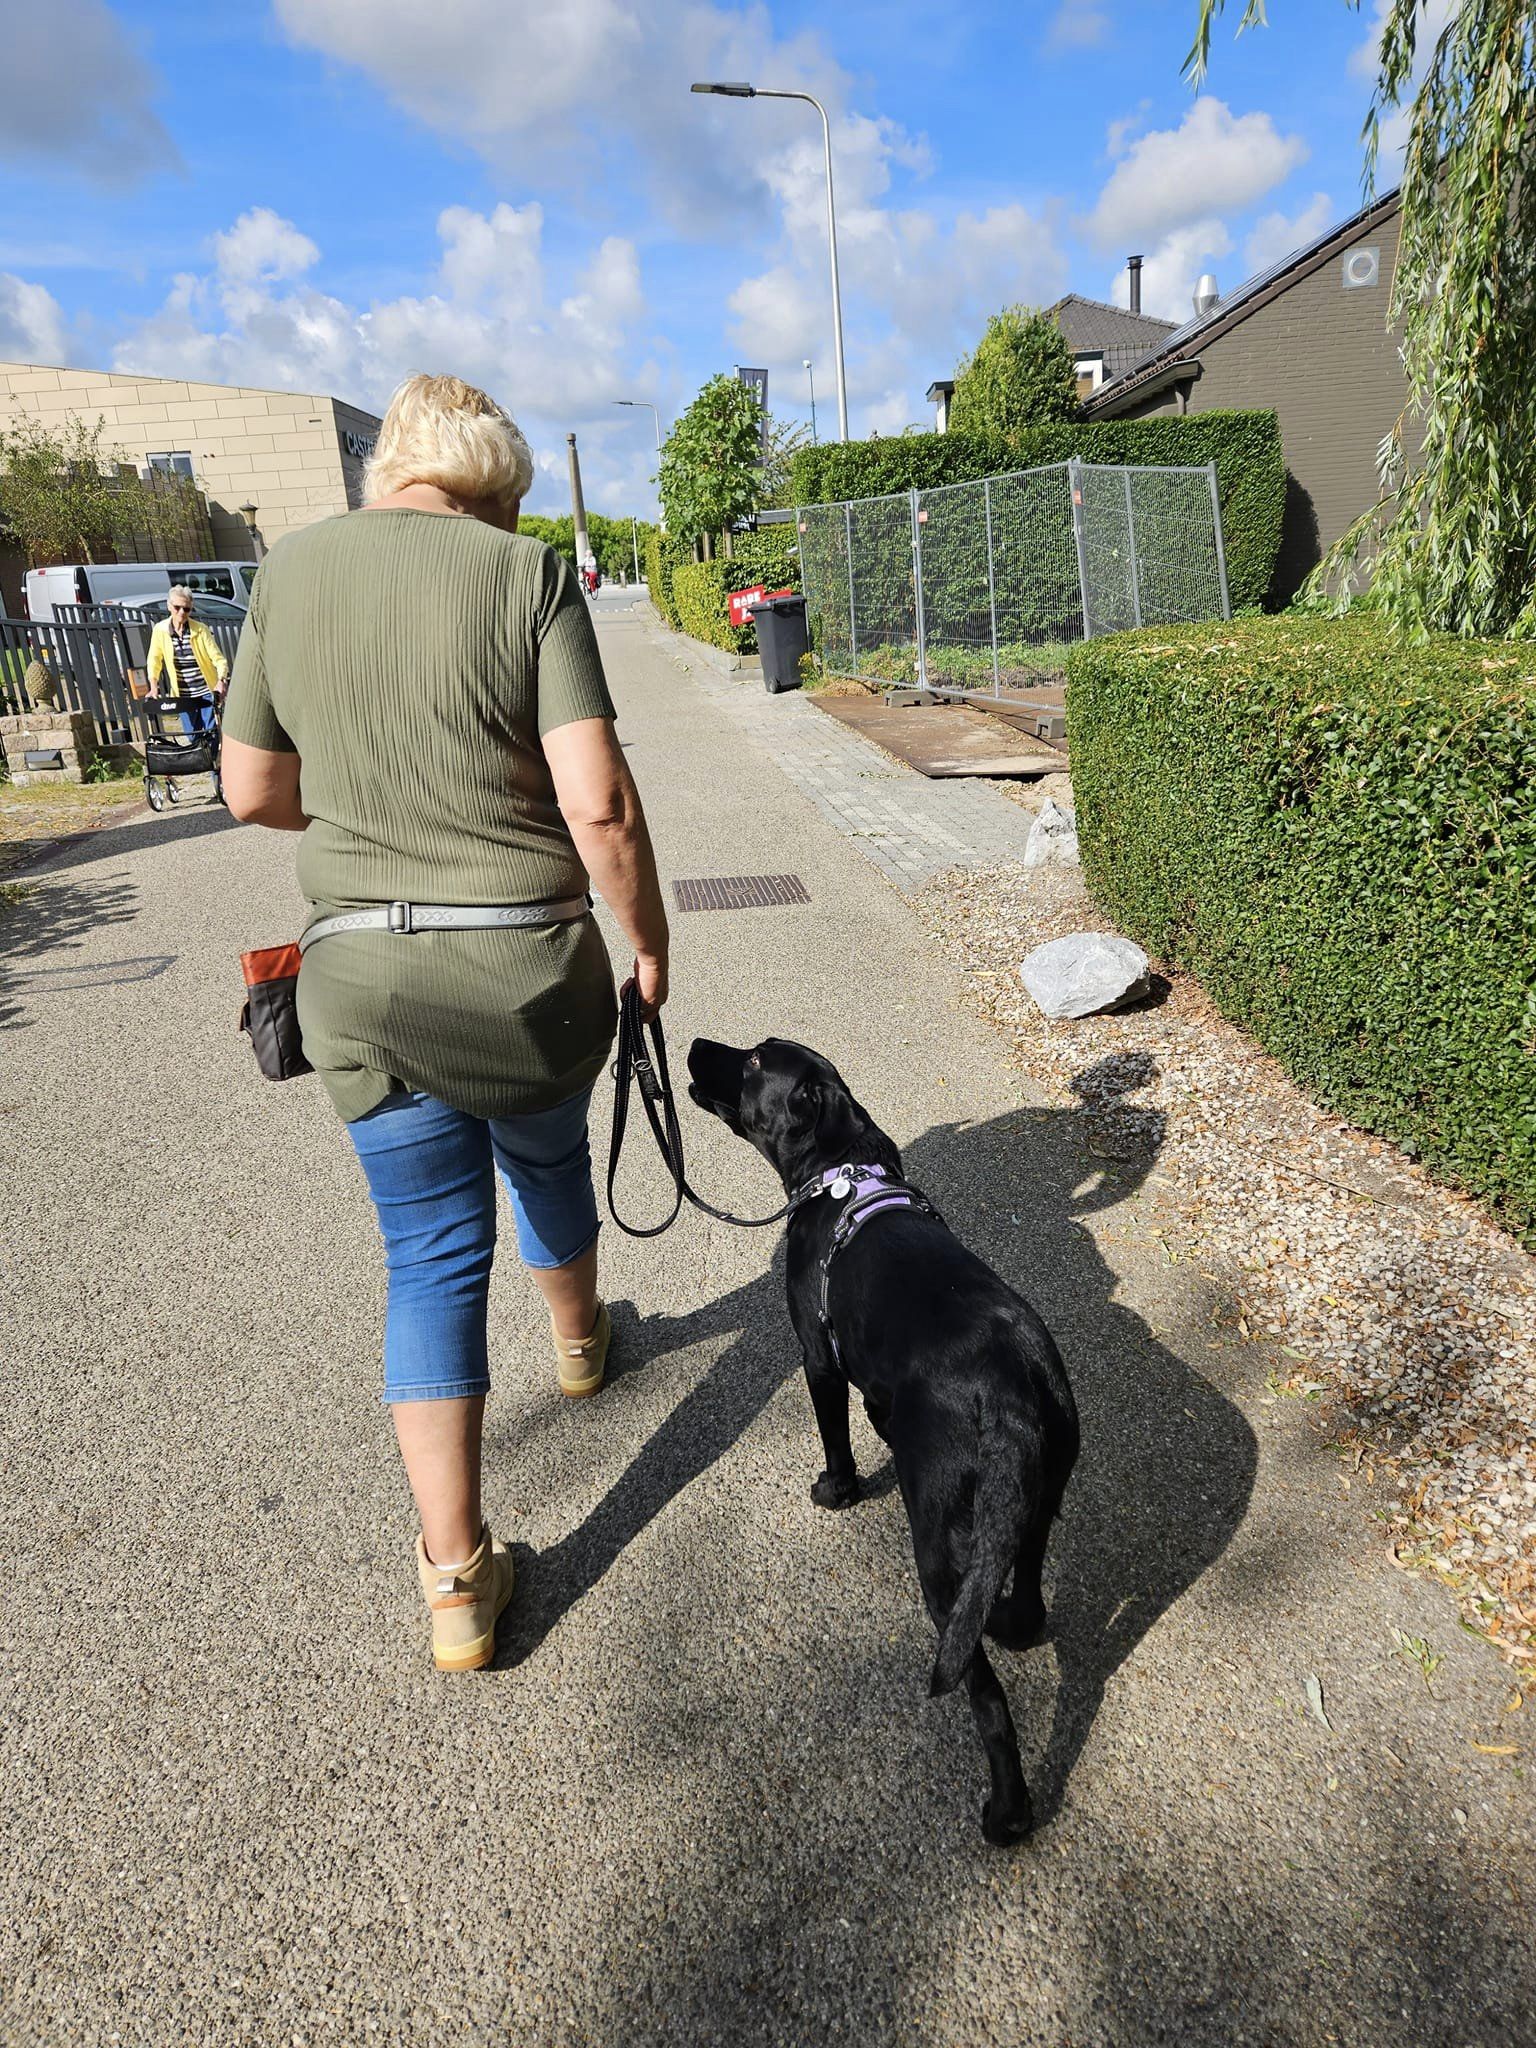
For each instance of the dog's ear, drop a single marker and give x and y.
(823, 1110)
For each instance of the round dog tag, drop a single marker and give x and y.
(842, 1188)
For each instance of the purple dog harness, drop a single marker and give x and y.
(865, 1192)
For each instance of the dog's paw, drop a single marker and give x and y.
(1018, 1625)
(1002, 1825)
(835, 1493)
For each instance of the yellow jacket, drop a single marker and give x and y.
(162, 656)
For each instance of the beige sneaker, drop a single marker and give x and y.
(466, 1603)
(583, 1363)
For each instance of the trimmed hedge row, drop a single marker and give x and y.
(1334, 830)
(697, 592)
(664, 555)
(1245, 447)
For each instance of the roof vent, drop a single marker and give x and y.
(1207, 297)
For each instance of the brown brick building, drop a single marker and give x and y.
(296, 456)
(1309, 338)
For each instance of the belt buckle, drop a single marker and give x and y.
(400, 919)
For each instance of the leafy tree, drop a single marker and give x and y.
(61, 498)
(711, 468)
(613, 540)
(1452, 543)
(67, 496)
(1020, 375)
(785, 438)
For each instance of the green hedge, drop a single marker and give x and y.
(699, 590)
(663, 556)
(1245, 447)
(1334, 829)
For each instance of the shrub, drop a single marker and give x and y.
(700, 590)
(1020, 373)
(1333, 828)
(1245, 446)
(664, 554)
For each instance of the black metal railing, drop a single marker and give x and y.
(93, 654)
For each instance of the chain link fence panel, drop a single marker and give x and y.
(982, 587)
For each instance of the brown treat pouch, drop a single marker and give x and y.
(271, 1011)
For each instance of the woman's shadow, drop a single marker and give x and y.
(1167, 1463)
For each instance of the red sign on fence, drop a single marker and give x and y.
(740, 602)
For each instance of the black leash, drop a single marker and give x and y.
(634, 1067)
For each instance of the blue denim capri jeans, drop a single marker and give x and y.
(430, 1172)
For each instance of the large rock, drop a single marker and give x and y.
(1052, 841)
(1084, 973)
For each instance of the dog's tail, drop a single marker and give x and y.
(1001, 1485)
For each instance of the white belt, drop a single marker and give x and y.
(404, 919)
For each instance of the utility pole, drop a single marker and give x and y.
(578, 509)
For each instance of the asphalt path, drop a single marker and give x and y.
(702, 1797)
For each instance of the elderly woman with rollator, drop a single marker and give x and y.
(418, 692)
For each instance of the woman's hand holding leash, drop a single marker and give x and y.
(649, 980)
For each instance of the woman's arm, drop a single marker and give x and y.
(262, 788)
(601, 806)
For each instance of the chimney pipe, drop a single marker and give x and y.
(1133, 265)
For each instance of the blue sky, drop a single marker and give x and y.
(326, 194)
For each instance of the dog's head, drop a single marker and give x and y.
(789, 1102)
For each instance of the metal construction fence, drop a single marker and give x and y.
(980, 587)
(89, 652)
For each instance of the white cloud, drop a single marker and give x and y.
(1277, 234)
(491, 313)
(262, 248)
(565, 92)
(1172, 177)
(1078, 25)
(31, 323)
(77, 92)
(1172, 268)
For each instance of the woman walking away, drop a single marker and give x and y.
(418, 692)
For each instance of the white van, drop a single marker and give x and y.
(102, 582)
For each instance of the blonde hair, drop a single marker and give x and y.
(440, 430)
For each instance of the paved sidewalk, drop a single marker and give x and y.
(910, 827)
(703, 1798)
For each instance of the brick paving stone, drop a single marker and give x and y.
(911, 828)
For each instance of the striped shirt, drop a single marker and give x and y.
(188, 675)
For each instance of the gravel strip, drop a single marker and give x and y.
(1392, 1303)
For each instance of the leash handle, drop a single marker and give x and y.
(634, 1067)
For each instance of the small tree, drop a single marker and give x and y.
(61, 499)
(711, 462)
(1020, 375)
(68, 496)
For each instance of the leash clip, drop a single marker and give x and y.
(645, 1074)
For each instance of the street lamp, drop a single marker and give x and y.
(645, 403)
(740, 91)
(248, 514)
(806, 364)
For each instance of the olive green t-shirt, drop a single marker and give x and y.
(415, 661)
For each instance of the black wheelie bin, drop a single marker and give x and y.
(782, 637)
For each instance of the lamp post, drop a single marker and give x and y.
(644, 404)
(248, 514)
(739, 91)
(812, 375)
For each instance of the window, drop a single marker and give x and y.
(171, 462)
(216, 582)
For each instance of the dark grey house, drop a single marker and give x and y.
(1309, 338)
(1107, 340)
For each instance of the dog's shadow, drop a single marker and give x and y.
(1167, 1463)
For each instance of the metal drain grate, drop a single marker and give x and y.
(739, 892)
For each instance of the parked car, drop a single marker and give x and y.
(205, 607)
(102, 582)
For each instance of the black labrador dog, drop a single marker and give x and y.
(959, 1375)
